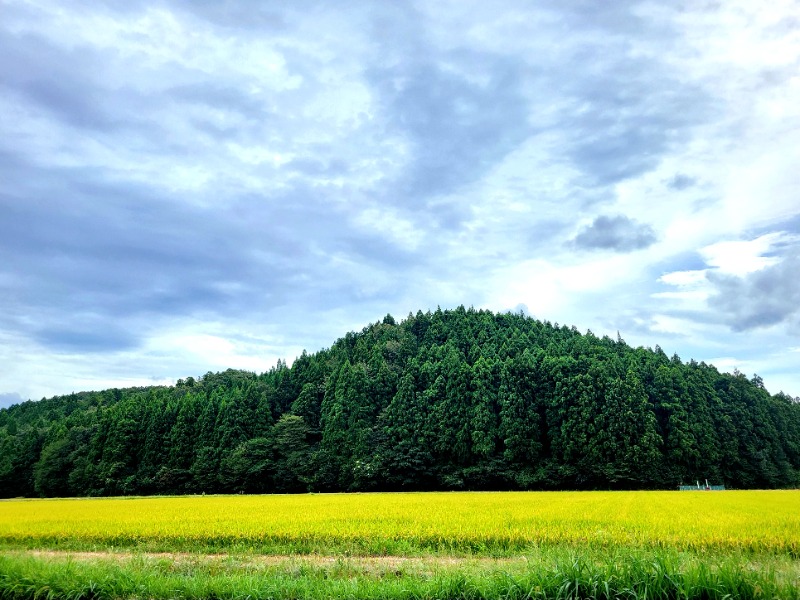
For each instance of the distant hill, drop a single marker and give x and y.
(457, 399)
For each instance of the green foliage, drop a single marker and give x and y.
(552, 573)
(459, 399)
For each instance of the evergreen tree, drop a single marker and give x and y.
(461, 399)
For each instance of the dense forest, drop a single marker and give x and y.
(459, 399)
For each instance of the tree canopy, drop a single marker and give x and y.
(457, 399)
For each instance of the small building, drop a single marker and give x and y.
(699, 487)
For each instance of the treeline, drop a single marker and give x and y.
(459, 399)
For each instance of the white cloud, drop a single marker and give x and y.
(737, 258)
(288, 174)
(684, 279)
(742, 257)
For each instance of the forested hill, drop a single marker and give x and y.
(458, 399)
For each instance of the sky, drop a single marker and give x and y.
(194, 186)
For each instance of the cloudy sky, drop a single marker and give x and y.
(191, 186)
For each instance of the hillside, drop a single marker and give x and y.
(459, 399)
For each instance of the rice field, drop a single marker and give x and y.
(734, 544)
(490, 522)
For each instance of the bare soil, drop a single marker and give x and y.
(366, 564)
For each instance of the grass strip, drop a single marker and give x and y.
(553, 573)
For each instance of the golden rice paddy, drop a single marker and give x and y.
(757, 521)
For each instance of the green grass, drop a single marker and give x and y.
(550, 574)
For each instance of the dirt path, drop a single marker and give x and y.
(246, 560)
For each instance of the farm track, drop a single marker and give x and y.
(786, 567)
(247, 560)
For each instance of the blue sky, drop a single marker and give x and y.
(192, 186)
